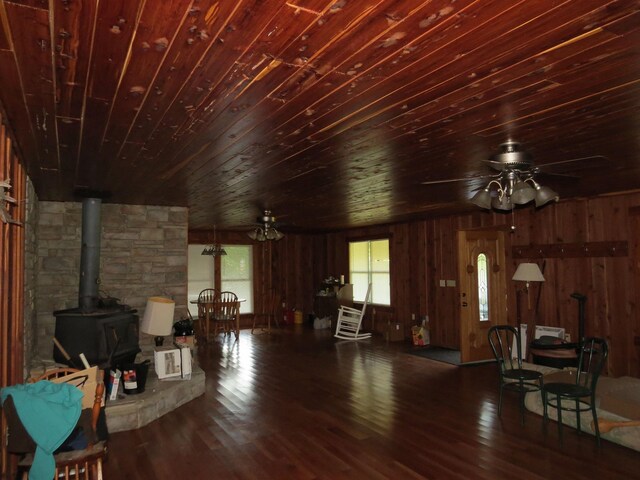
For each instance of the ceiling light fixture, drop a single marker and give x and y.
(215, 249)
(267, 230)
(515, 184)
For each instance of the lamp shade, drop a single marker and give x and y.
(545, 195)
(482, 199)
(522, 193)
(158, 316)
(528, 272)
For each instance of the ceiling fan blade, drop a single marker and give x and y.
(563, 175)
(597, 161)
(461, 179)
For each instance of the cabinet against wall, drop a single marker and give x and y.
(330, 298)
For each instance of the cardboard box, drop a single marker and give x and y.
(185, 362)
(173, 362)
(86, 380)
(395, 332)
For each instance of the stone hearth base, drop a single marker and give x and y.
(159, 398)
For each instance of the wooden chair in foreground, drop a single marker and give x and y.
(350, 321)
(76, 464)
(269, 313)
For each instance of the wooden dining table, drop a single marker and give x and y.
(210, 306)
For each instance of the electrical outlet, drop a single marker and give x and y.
(443, 283)
(451, 283)
(413, 316)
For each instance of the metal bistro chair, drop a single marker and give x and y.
(206, 301)
(225, 312)
(512, 376)
(579, 396)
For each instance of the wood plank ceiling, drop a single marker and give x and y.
(330, 112)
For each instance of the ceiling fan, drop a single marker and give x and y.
(266, 229)
(514, 184)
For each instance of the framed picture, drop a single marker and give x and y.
(168, 362)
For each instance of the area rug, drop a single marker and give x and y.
(445, 355)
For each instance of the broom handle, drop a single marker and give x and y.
(64, 352)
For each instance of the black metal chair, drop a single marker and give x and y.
(502, 339)
(579, 396)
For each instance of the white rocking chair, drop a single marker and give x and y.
(350, 321)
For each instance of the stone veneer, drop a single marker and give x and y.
(143, 254)
(160, 397)
(30, 277)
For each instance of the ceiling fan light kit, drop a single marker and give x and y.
(267, 230)
(514, 185)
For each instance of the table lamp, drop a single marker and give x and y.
(158, 318)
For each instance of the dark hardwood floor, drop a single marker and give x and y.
(298, 404)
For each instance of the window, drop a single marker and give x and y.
(483, 288)
(236, 274)
(369, 263)
(200, 276)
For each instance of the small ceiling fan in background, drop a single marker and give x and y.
(266, 229)
(514, 182)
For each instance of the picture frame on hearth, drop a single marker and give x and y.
(168, 362)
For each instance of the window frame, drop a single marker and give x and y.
(217, 274)
(370, 271)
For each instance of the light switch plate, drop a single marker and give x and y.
(451, 283)
(443, 283)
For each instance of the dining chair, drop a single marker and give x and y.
(85, 463)
(225, 313)
(580, 395)
(269, 312)
(206, 301)
(503, 339)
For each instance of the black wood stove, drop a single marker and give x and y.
(105, 332)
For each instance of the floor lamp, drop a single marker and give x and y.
(526, 272)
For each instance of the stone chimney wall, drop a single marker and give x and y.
(143, 254)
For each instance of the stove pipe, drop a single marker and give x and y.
(88, 293)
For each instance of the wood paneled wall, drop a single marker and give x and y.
(424, 252)
(289, 266)
(11, 279)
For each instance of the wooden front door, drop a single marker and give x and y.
(483, 293)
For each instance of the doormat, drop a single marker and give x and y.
(445, 355)
(439, 354)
